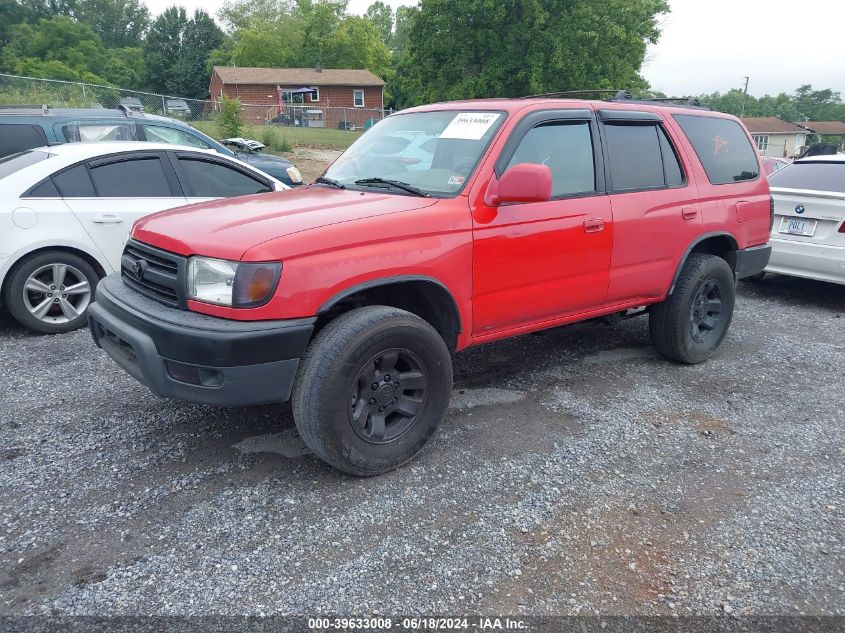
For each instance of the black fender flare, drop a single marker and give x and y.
(389, 281)
(698, 240)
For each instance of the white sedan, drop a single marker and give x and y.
(65, 212)
(808, 235)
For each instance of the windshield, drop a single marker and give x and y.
(820, 176)
(11, 164)
(434, 152)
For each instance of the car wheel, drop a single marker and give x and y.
(371, 389)
(50, 292)
(689, 325)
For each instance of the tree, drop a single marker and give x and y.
(302, 34)
(241, 14)
(13, 12)
(818, 105)
(119, 23)
(484, 48)
(381, 17)
(176, 51)
(60, 48)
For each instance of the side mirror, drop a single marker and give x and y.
(525, 182)
(280, 186)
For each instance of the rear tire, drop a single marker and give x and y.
(50, 292)
(371, 389)
(690, 324)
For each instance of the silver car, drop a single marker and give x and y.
(808, 235)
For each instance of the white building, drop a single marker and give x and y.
(776, 137)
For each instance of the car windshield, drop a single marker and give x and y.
(817, 176)
(11, 164)
(432, 152)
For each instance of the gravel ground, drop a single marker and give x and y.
(576, 473)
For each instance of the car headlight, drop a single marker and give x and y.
(235, 284)
(295, 175)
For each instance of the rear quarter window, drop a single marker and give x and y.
(820, 176)
(722, 147)
(95, 132)
(15, 137)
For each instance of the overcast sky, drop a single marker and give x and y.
(710, 45)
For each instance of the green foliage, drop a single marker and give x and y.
(119, 23)
(299, 34)
(228, 118)
(274, 142)
(508, 48)
(176, 51)
(381, 16)
(804, 104)
(63, 48)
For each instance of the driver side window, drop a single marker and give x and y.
(566, 148)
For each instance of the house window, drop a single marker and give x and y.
(358, 98)
(315, 94)
(289, 96)
(761, 141)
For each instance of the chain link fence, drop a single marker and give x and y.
(296, 123)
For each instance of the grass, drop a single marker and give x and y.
(320, 138)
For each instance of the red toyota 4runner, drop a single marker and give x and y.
(442, 227)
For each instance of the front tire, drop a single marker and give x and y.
(50, 292)
(690, 324)
(371, 389)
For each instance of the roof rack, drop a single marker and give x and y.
(579, 94)
(682, 101)
(623, 95)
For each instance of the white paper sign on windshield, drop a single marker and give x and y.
(470, 126)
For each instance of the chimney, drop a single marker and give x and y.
(318, 67)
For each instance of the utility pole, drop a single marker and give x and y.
(744, 97)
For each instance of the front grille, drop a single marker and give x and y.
(155, 273)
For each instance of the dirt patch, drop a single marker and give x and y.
(312, 161)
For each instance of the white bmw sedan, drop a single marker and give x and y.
(808, 235)
(66, 210)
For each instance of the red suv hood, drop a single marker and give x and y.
(228, 227)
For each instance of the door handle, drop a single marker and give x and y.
(689, 213)
(594, 225)
(108, 218)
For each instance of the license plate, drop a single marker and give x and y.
(793, 226)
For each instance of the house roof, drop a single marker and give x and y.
(297, 76)
(771, 125)
(835, 128)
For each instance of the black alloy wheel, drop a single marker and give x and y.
(388, 396)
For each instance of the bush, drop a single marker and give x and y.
(228, 119)
(270, 137)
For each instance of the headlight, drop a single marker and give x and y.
(294, 174)
(236, 284)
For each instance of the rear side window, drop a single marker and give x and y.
(641, 156)
(208, 179)
(722, 147)
(820, 176)
(634, 156)
(74, 183)
(18, 138)
(136, 178)
(567, 150)
(94, 132)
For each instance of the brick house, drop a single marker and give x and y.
(308, 97)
